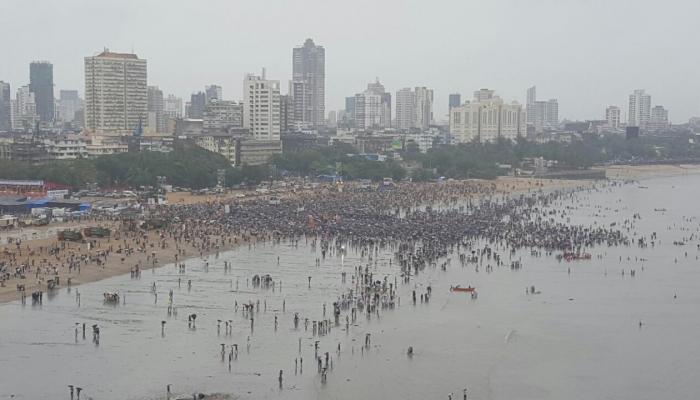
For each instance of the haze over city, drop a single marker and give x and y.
(587, 54)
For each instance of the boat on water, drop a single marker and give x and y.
(458, 288)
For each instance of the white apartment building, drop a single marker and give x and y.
(414, 108)
(368, 110)
(639, 108)
(116, 94)
(24, 115)
(405, 106)
(487, 120)
(66, 147)
(612, 115)
(423, 110)
(261, 111)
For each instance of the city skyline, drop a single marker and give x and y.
(608, 78)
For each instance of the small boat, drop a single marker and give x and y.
(467, 289)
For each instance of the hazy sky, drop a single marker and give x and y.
(587, 53)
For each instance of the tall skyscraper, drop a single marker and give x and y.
(530, 105)
(5, 107)
(612, 115)
(455, 100)
(309, 67)
(368, 110)
(350, 110)
(414, 108)
(214, 92)
(156, 110)
(298, 96)
(552, 113)
(384, 103)
(41, 84)
(639, 108)
(197, 104)
(405, 108)
(423, 108)
(261, 109)
(116, 93)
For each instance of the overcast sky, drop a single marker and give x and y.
(587, 53)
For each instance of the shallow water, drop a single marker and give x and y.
(579, 339)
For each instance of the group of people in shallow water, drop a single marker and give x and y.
(421, 224)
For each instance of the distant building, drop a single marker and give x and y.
(24, 116)
(405, 108)
(487, 120)
(530, 105)
(639, 108)
(455, 100)
(156, 111)
(173, 106)
(350, 110)
(213, 92)
(659, 119)
(41, 84)
(196, 105)
(261, 112)
(66, 147)
(299, 98)
(222, 115)
(373, 108)
(5, 107)
(332, 119)
(414, 108)
(286, 113)
(612, 115)
(309, 68)
(116, 93)
(483, 94)
(69, 104)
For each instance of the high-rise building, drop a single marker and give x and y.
(222, 115)
(612, 115)
(405, 108)
(551, 113)
(377, 88)
(286, 113)
(423, 109)
(368, 110)
(487, 120)
(68, 104)
(414, 108)
(299, 98)
(332, 119)
(156, 111)
(261, 112)
(455, 100)
(639, 108)
(173, 107)
(41, 84)
(658, 119)
(116, 93)
(25, 115)
(5, 107)
(213, 92)
(530, 105)
(350, 110)
(197, 104)
(309, 67)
